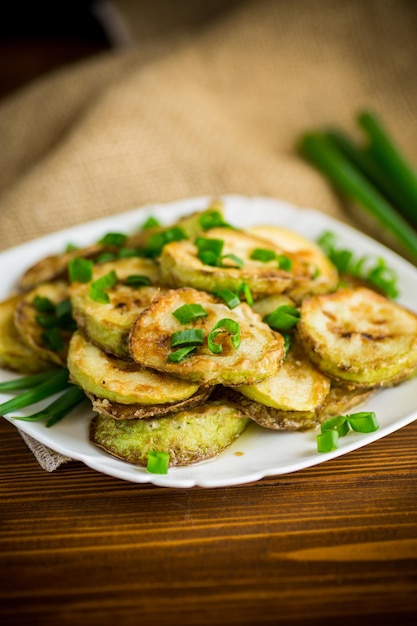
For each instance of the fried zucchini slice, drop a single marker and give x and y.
(297, 386)
(181, 266)
(108, 324)
(258, 356)
(15, 354)
(32, 332)
(119, 380)
(54, 267)
(358, 336)
(188, 436)
(119, 411)
(338, 401)
(323, 275)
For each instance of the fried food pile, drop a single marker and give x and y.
(182, 336)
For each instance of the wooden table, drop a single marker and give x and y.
(332, 545)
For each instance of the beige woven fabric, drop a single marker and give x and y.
(213, 106)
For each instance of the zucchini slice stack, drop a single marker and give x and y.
(204, 329)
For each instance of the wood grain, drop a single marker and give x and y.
(333, 544)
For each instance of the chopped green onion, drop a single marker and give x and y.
(338, 423)
(284, 317)
(232, 257)
(284, 262)
(263, 254)
(80, 270)
(71, 247)
(158, 240)
(209, 250)
(57, 381)
(209, 258)
(128, 253)
(322, 152)
(179, 355)
(327, 441)
(52, 339)
(150, 222)
(212, 219)
(224, 325)
(158, 462)
(63, 309)
(105, 257)
(339, 426)
(113, 239)
(188, 337)
(364, 422)
(137, 280)
(288, 339)
(26, 382)
(188, 313)
(229, 297)
(97, 288)
(245, 289)
(375, 272)
(46, 321)
(63, 314)
(43, 304)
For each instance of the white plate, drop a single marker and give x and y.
(258, 452)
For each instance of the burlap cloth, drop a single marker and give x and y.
(207, 100)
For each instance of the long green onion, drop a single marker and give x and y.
(58, 409)
(363, 160)
(322, 152)
(57, 381)
(383, 150)
(26, 382)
